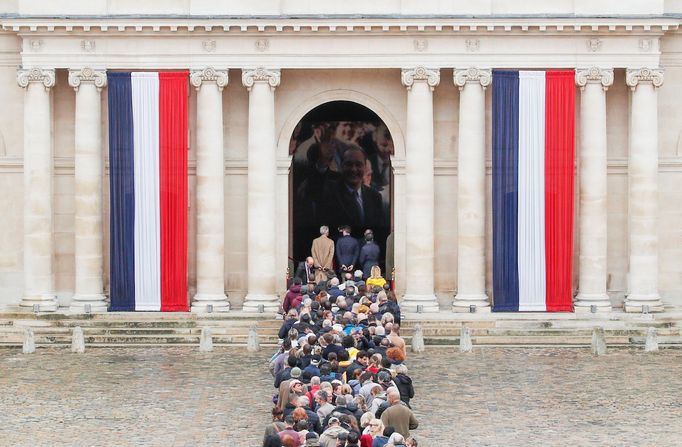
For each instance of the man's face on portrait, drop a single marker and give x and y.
(353, 168)
(344, 131)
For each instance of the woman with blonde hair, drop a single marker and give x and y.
(375, 278)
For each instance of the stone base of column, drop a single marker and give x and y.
(584, 302)
(635, 303)
(97, 303)
(463, 303)
(46, 303)
(252, 302)
(428, 303)
(201, 301)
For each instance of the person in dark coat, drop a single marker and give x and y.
(404, 384)
(306, 271)
(370, 253)
(347, 251)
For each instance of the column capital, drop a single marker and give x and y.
(44, 76)
(594, 75)
(208, 74)
(408, 76)
(87, 75)
(482, 76)
(260, 74)
(635, 76)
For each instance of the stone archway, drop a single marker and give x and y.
(397, 160)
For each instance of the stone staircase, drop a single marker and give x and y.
(172, 329)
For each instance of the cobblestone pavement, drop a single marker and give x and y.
(491, 397)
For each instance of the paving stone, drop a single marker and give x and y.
(177, 396)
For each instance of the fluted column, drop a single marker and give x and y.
(593, 83)
(419, 281)
(262, 173)
(38, 241)
(471, 190)
(210, 190)
(88, 84)
(643, 190)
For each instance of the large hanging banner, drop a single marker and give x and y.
(533, 156)
(148, 190)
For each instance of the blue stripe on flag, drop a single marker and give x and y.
(505, 190)
(122, 192)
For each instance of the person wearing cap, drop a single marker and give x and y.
(313, 369)
(332, 433)
(398, 415)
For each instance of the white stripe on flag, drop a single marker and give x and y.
(145, 92)
(531, 211)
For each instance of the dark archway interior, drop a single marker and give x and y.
(323, 185)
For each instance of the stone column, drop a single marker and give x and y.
(88, 84)
(419, 212)
(593, 83)
(471, 190)
(643, 190)
(210, 190)
(38, 241)
(262, 173)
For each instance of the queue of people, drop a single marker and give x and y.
(340, 375)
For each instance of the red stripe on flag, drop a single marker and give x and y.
(559, 156)
(173, 189)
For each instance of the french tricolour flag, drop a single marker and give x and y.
(148, 190)
(533, 155)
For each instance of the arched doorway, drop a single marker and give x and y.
(341, 174)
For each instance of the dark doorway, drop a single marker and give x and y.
(341, 150)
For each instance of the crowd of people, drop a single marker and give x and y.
(340, 375)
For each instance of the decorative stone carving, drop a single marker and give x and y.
(421, 45)
(593, 45)
(481, 75)
(262, 44)
(88, 46)
(633, 76)
(646, 45)
(36, 45)
(208, 74)
(43, 75)
(409, 75)
(208, 46)
(77, 77)
(472, 45)
(272, 77)
(603, 76)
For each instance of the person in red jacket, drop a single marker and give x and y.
(293, 295)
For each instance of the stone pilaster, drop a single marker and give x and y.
(88, 84)
(593, 83)
(262, 173)
(419, 274)
(210, 190)
(643, 190)
(38, 239)
(472, 83)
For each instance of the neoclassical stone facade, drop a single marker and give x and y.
(256, 69)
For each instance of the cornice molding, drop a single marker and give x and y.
(636, 76)
(87, 75)
(209, 74)
(594, 75)
(251, 76)
(481, 76)
(341, 24)
(45, 76)
(409, 76)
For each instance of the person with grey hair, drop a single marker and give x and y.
(322, 252)
(324, 407)
(404, 384)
